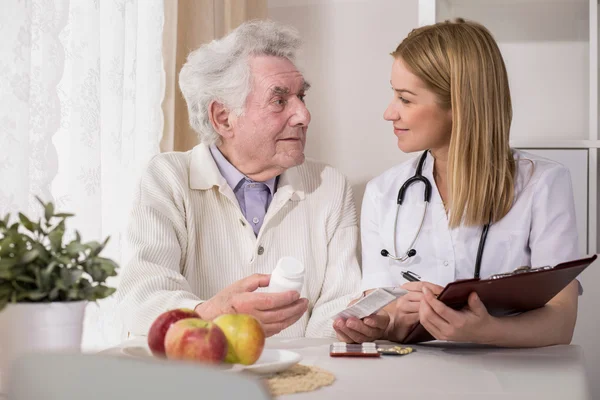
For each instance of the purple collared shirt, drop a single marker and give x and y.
(253, 197)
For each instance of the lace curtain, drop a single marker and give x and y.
(81, 84)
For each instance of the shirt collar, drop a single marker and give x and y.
(231, 174)
(204, 174)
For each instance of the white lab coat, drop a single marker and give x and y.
(540, 228)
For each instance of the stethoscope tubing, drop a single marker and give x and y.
(418, 177)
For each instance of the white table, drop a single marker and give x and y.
(443, 370)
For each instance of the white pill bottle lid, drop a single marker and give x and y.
(287, 275)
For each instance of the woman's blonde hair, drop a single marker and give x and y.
(461, 62)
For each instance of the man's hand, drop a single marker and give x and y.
(369, 329)
(275, 311)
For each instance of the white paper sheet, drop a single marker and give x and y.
(372, 303)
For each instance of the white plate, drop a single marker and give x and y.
(270, 361)
(137, 351)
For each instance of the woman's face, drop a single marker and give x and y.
(419, 122)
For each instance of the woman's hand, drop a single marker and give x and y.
(405, 311)
(471, 324)
(369, 329)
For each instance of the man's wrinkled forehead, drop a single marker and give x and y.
(275, 74)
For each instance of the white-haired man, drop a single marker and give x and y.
(210, 225)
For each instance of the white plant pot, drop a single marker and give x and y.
(37, 328)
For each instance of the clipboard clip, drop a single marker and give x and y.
(520, 270)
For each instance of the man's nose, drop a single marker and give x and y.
(301, 116)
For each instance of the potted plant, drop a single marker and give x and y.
(46, 281)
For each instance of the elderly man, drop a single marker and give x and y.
(209, 225)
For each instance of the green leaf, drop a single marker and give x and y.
(64, 260)
(36, 295)
(108, 266)
(95, 248)
(25, 279)
(49, 211)
(59, 284)
(73, 294)
(7, 263)
(53, 295)
(36, 228)
(29, 257)
(97, 273)
(44, 255)
(5, 289)
(40, 201)
(25, 222)
(5, 246)
(55, 238)
(64, 215)
(74, 249)
(19, 288)
(38, 278)
(50, 268)
(70, 276)
(101, 292)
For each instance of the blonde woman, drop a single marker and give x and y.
(490, 208)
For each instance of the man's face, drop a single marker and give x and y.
(271, 133)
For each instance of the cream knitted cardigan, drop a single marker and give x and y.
(188, 239)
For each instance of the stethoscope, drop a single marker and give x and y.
(411, 252)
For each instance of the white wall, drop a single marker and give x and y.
(550, 38)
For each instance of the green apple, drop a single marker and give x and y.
(245, 337)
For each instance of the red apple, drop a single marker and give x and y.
(160, 326)
(194, 339)
(245, 336)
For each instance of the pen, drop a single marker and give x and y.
(410, 276)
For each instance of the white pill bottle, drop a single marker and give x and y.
(287, 275)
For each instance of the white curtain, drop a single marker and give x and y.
(81, 85)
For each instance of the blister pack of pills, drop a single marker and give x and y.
(341, 349)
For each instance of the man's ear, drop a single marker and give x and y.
(219, 118)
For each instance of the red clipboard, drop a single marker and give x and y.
(504, 294)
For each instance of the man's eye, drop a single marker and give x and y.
(302, 97)
(280, 102)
